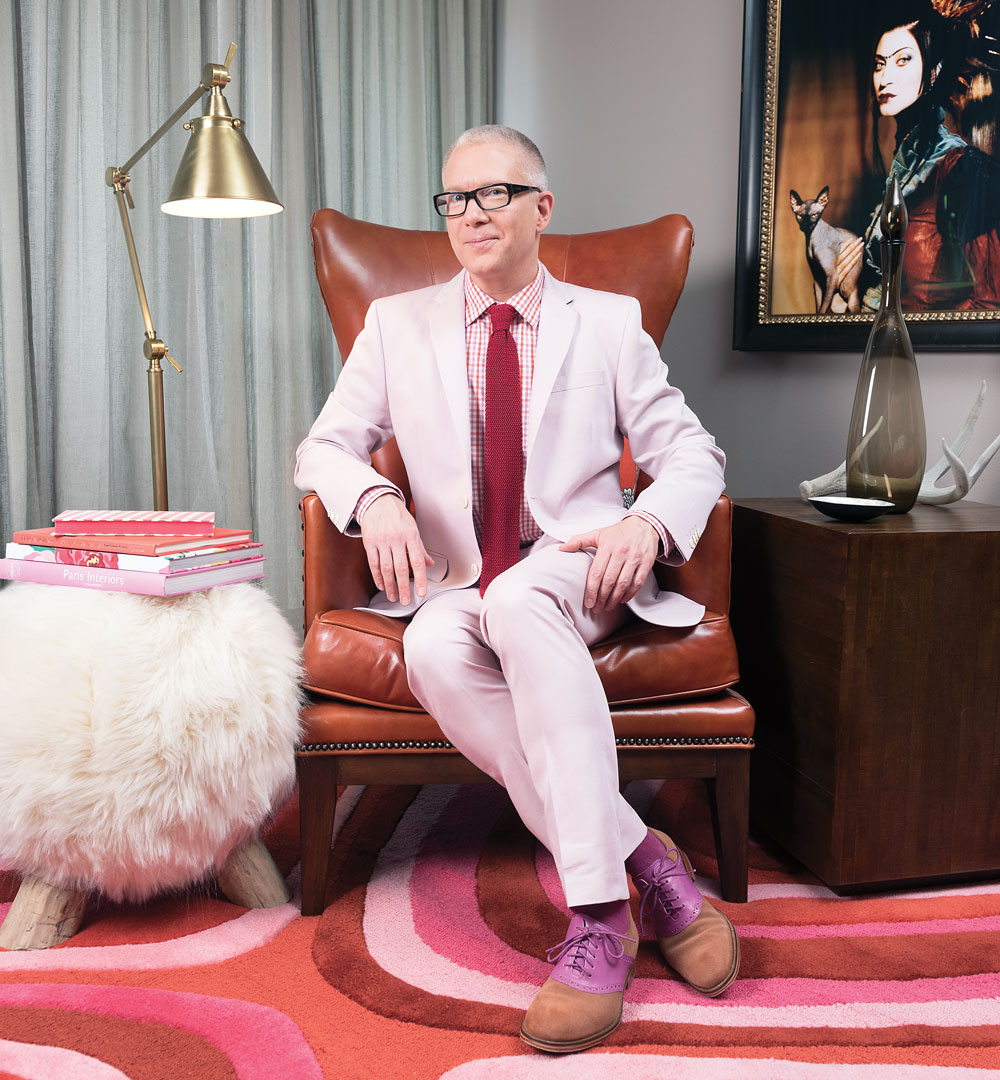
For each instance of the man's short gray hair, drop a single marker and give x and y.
(534, 163)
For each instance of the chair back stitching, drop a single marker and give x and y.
(565, 269)
(430, 261)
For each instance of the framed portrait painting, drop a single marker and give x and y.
(837, 98)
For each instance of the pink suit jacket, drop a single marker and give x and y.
(598, 376)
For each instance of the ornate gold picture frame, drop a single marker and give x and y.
(835, 96)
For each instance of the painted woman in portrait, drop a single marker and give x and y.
(933, 75)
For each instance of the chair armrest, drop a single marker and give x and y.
(705, 576)
(335, 570)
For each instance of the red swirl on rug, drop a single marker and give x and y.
(440, 907)
(851, 977)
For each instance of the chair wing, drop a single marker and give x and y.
(358, 262)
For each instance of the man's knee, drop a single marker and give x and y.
(420, 641)
(513, 601)
(434, 641)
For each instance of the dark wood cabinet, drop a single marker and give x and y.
(871, 654)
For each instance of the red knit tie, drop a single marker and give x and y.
(503, 474)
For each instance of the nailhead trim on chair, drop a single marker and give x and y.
(390, 745)
(722, 740)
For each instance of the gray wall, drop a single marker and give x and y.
(636, 106)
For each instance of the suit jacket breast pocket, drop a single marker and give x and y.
(577, 380)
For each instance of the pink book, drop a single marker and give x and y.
(134, 523)
(132, 545)
(174, 563)
(133, 581)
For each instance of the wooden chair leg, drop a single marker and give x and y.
(317, 806)
(251, 879)
(41, 915)
(731, 821)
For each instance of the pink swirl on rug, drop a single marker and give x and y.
(976, 1012)
(445, 948)
(601, 1065)
(776, 994)
(772, 890)
(260, 1043)
(32, 1062)
(445, 909)
(789, 891)
(222, 942)
(389, 928)
(958, 925)
(549, 879)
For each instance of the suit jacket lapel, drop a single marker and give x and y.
(556, 326)
(446, 318)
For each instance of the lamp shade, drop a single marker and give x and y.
(219, 174)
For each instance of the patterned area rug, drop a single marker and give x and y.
(439, 909)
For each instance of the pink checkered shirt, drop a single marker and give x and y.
(528, 305)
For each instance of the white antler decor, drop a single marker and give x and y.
(834, 482)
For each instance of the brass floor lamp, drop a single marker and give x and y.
(219, 177)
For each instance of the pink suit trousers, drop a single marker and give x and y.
(510, 680)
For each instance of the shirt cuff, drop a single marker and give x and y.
(666, 542)
(368, 496)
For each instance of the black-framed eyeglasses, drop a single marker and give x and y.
(488, 197)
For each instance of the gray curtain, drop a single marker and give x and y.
(347, 103)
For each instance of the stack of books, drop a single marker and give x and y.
(153, 552)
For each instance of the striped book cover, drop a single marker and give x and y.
(134, 523)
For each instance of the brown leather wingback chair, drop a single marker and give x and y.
(674, 712)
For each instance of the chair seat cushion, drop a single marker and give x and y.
(721, 721)
(357, 655)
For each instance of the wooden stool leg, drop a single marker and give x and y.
(317, 806)
(250, 878)
(731, 819)
(41, 915)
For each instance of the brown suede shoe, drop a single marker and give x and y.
(581, 1001)
(696, 939)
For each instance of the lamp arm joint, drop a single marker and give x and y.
(155, 350)
(119, 181)
(218, 74)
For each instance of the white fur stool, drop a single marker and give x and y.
(143, 742)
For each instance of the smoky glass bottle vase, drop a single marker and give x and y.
(887, 443)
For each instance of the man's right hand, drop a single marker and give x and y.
(394, 548)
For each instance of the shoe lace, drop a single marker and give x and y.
(582, 947)
(656, 886)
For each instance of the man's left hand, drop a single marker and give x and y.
(625, 554)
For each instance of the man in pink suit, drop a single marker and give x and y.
(509, 393)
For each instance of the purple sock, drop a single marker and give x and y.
(645, 854)
(613, 914)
